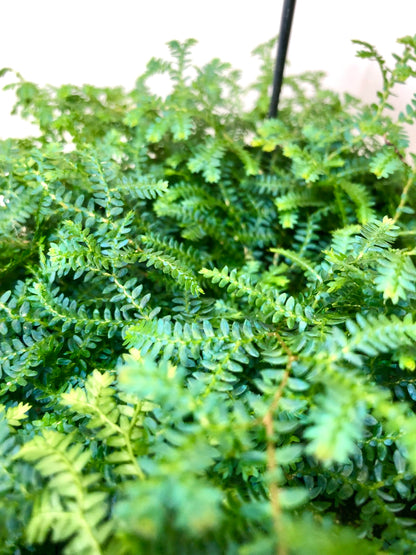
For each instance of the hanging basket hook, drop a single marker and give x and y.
(285, 27)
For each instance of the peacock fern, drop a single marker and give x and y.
(208, 318)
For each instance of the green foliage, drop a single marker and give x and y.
(208, 318)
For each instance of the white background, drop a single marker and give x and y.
(105, 42)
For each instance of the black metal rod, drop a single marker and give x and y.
(285, 27)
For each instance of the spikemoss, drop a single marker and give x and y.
(208, 339)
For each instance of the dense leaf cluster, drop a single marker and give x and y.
(208, 319)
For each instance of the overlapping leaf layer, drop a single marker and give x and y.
(208, 319)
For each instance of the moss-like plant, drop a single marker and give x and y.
(208, 318)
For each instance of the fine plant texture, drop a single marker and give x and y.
(208, 318)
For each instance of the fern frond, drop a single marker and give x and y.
(337, 425)
(385, 163)
(362, 199)
(272, 185)
(141, 187)
(21, 356)
(342, 239)
(207, 159)
(174, 268)
(184, 201)
(299, 261)
(298, 199)
(13, 479)
(271, 306)
(307, 232)
(73, 509)
(372, 335)
(188, 254)
(223, 351)
(115, 424)
(376, 235)
(396, 276)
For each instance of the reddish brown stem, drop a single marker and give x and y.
(271, 451)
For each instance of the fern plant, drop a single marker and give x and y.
(208, 318)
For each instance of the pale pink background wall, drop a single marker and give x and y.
(108, 42)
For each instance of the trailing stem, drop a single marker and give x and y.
(271, 451)
(403, 198)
